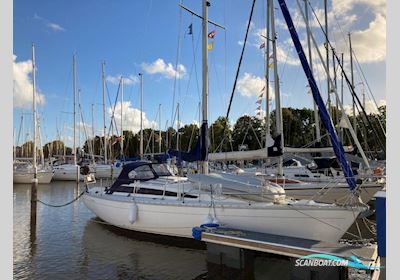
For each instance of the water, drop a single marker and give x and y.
(70, 243)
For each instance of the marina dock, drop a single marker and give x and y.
(246, 254)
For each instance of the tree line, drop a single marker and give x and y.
(248, 132)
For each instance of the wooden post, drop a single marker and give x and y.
(34, 180)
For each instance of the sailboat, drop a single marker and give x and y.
(141, 200)
(24, 173)
(298, 180)
(70, 171)
(107, 170)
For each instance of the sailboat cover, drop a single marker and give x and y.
(199, 151)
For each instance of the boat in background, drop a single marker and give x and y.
(23, 173)
(26, 172)
(67, 172)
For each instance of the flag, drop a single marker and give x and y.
(262, 46)
(258, 108)
(271, 65)
(259, 101)
(343, 123)
(190, 29)
(261, 95)
(262, 90)
(117, 139)
(210, 46)
(211, 34)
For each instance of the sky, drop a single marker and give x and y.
(151, 37)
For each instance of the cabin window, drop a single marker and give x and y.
(143, 172)
(161, 170)
(161, 192)
(301, 175)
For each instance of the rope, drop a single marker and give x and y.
(177, 57)
(352, 91)
(319, 220)
(238, 69)
(65, 204)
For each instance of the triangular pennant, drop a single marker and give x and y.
(211, 34)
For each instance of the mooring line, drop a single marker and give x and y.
(65, 204)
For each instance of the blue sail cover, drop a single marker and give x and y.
(199, 151)
(326, 119)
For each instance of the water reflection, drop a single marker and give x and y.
(127, 257)
(69, 243)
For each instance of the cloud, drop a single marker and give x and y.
(23, 96)
(370, 107)
(196, 123)
(51, 25)
(128, 80)
(345, 6)
(167, 70)
(131, 117)
(369, 44)
(55, 27)
(369, 40)
(365, 19)
(250, 85)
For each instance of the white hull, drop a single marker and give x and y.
(174, 218)
(102, 171)
(20, 177)
(67, 172)
(320, 192)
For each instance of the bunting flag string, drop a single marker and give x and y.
(190, 29)
(262, 46)
(211, 34)
(118, 139)
(210, 46)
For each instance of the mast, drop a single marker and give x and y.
(352, 85)
(166, 135)
(316, 117)
(365, 128)
(34, 111)
(341, 99)
(267, 51)
(64, 147)
(103, 78)
(204, 164)
(81, 121)
(141, 115)
(94, 161)
(22, 145)
(335, 89)
(344, 116)
(177, 126)
(337, 147)
(327, 54)
(279, 120)
(39, 132)
(74, 92)
(159, 128)
(122, 130)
